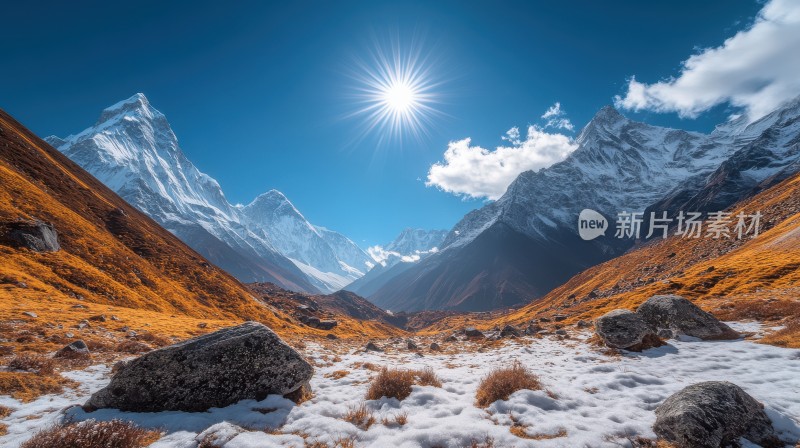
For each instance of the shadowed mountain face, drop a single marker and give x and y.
(524, 244)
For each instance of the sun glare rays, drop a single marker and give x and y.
(395, 92)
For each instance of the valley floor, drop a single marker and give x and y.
(591, 399)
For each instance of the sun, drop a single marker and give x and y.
(400, 97)
(396, 92)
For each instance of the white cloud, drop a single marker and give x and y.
(756, 69)
(556, 118)
(477, 172)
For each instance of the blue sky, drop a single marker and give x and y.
(257, 93)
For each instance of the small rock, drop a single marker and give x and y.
(435, 346)
(451, 338)
(559, 317)
(711, 415)
(561, 332)
(34, 235)
(472, 332)
(331, 336)
(115, 318)
(371, 347)
(69, 335)
(83, 324)
(411, 344)
(30, 314)
(583, 324)
(98, 318)
(75, 350)
(327, 324)
(532, 329)
(678, 314)
(78, 306)
(22, 285)
(202, 325)
(544, 319)
(510, 331)
(626, 330)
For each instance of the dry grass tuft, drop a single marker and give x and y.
(337, 374)
(500, 383)
(427, 377)
(396, 383)
(360, 416)
(93, 434)
(5, 411)
(487, 442)
(132, 347)
(301, 395)
(32, 363)
(391, 383)
(26, 387)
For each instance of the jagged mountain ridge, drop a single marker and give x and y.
(409, 247)
(525, 243)
(133, 150)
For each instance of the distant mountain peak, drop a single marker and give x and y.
(137, 104)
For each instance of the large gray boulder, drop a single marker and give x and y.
(713, 414)
(37, 236)
(624, 329)
(248, 361)
(680, 316)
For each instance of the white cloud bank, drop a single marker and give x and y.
(476, 172)
(757, 69)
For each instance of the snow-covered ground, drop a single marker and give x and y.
(592, 399)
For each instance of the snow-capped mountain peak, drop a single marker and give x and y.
(133, 150)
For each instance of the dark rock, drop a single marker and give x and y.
(532, 329)
(78, 306)
(248, 361)
(713, 414)
(559, 317)
(98, 318)
(583, 324)
(202, 325)
(561, 332)
(544, 319)
(451, 338)
(411, 344)
(327, 324)
(626, 330)
(472, 332)
(83, 324)
(331, 336)
(371, 347)
(34, 235)
(678, 314)
(510, 331)
(75, 350)
(435, 346)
